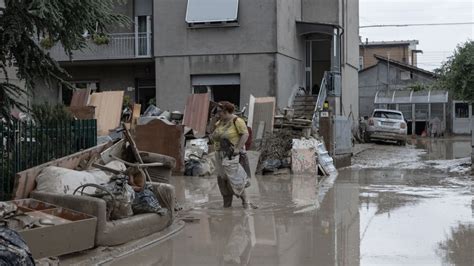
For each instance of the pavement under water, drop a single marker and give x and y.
(394, 206)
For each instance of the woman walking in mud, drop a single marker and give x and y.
(229, 136)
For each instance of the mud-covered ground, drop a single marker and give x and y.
(396, 205)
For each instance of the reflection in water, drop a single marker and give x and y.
(444, 149)
(291, 227)
(458, 248)
(367, 217)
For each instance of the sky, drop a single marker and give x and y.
(437, 42)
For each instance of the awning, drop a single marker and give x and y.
(202, 11)
(305, 28)
(410, 96)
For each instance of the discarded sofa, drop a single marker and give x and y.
(115, 232)
(108, 233)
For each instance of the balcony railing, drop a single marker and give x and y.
(120, 46)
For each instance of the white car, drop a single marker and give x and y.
(387, 125)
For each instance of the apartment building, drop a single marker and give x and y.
(231, 48)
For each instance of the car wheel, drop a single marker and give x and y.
(366, 138)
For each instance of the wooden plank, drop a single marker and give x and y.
(260, 130)
(261, 109)
(196, 113)
(108, 110)
(251, 111)
(162, 137)
(80, 98)
(83, 112)
(135, 115)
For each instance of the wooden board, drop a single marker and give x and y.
(25, 181)
(83, 112)
(80, 98)
(163, 138)
(108, 110)
(135, 115)
(196, 113)
(261, 109)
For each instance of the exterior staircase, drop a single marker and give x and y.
(304, 106)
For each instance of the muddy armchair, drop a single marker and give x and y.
(110, 233)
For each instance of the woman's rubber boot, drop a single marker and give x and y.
(227, 201)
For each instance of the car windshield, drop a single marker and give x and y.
(389, 115)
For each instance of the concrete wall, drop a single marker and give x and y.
(256, 32)
(110, 77)
(12, 78)
(289, 72)
(289, 42)
(45, 94)
(173, 76)
(321, 11)
(290, 47)
(124, 8)
(113, 77)
(350, 58)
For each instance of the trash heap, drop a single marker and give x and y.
(292, 148)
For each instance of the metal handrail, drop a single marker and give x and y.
(322, 95)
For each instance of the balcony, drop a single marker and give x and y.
(120, 46)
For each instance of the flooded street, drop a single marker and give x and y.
(396, 205)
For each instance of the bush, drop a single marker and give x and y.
(48, 112)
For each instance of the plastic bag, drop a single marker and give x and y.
(146, 202)
(271, 165)
(13, 249)
(235, 173)
(152, 110)
(121, 206)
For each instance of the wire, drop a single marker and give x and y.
(416, 25)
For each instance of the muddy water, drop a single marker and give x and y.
(393, 213)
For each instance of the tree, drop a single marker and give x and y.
(24, 24)
(457, 74)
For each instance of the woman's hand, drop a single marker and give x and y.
(236, 152)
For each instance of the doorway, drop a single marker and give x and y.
(220, 87)
(318, 61)
(145, 93)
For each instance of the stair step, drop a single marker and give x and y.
(306, 97)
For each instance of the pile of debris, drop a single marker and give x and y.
(276, 151)
(292, 147)
(99, 186)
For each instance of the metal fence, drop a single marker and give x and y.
(25, 145)
(120, 46)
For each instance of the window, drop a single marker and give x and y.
(389, 115)
(361, 62)
(211, 12)
(143, 36)
(405, 75)
(461, 110)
